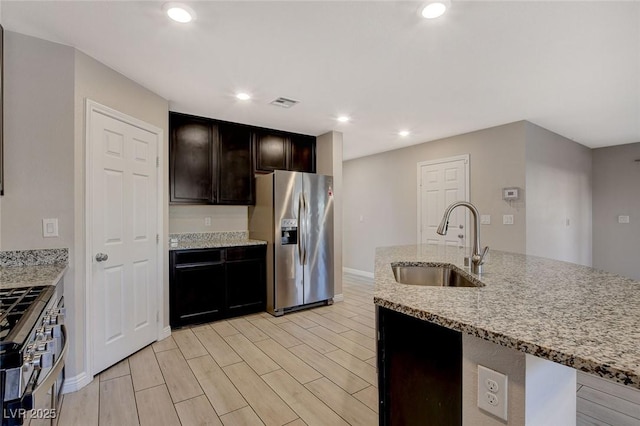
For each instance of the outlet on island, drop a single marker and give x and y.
(207, 221)
(492, 392)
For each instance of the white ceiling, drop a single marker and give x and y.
(571, 67)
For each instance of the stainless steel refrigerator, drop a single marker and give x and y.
(294, 214)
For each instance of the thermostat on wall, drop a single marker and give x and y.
(510, 194)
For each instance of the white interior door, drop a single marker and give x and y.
(440, 183)
(124, 227)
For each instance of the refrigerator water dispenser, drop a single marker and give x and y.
(289, 231)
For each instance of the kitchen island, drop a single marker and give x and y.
(572, 315)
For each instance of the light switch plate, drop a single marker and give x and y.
(623, 219)
(492, 392)
(49, 228)
(507, 219)
(485, 219)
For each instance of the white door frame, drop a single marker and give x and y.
(464, 157)
(91, 107)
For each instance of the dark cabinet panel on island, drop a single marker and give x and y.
(419, 371)
(210, 284)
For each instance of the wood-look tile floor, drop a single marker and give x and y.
(313, 367)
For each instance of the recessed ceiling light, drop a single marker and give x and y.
(179, 12)
(344, 118)
(243, 96)
(404, 133)
(435, 9)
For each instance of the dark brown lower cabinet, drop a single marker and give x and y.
(247, 286)
(419, 371)
(210, 284)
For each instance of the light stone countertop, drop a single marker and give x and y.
(574, 315)
(26, 268)
(32, 275)
(203, 244)
(204, 240)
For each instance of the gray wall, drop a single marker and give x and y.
(39, 153)
(191, 218)
(45, 88)
(38, 144)
(383, 189)
(616, 191)
(558, 197)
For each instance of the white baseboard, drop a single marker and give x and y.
(72, 384)
(164, 333)
(358, 272)
(338, 298)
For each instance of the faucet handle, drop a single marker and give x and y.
(484, 253)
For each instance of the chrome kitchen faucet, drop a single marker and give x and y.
(477, 258)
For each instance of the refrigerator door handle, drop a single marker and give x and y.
(300, 238)
(304, 233)
(304, 236)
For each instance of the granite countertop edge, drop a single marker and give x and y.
(467, 310)
(204, 244)
(31, 275)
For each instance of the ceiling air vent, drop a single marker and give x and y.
(283, 102)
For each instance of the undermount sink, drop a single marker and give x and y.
(438, 276)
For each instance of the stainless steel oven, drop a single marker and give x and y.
(32, 354)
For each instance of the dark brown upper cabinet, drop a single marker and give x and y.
(211, 162)
(235, 178)
(271, 151)
(214, 162)
(302, 154)
(191, 159)
(284, 151)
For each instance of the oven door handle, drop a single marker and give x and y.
(53, 373)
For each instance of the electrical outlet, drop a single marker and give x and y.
(491, 398)
(492, 392)
(50, 227)
(485, 219)
(507, 219)
(492, 385)
(623, 219)
(207, 221)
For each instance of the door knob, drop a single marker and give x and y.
(101, 257)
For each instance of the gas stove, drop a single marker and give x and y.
(32, 349)
(19, 312)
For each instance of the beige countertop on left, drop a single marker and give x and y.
(33, 275)
(26, 268)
